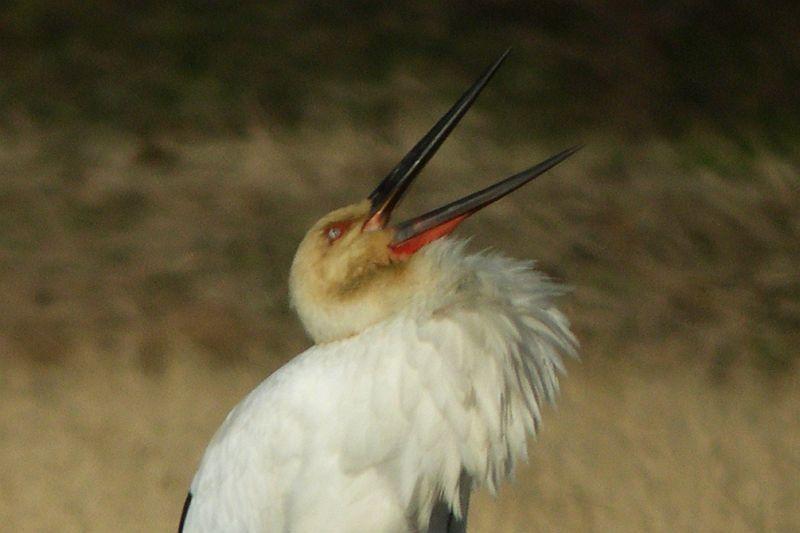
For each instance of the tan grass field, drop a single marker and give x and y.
(144, 294)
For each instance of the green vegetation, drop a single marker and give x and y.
(160, 161)
(221, 66)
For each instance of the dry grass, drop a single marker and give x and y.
(95, 445)
(633, 452)
(144, 294)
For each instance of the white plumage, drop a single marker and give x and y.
(367, 433)
(428, 374)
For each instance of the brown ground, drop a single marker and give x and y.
(144, 294)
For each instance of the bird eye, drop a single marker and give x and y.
(335, 231)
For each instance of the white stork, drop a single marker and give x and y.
(427, 376)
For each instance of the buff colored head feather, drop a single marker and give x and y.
(353, 269)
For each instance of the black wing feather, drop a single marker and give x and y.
(185, 511)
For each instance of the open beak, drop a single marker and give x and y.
(389, 191)
(411, 235)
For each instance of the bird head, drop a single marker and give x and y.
(354, 269)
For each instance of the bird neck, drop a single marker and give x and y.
(417, 285)
(471, 362)
(440, 275)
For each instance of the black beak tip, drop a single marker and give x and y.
(393, 186)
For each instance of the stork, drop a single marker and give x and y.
(428, 372)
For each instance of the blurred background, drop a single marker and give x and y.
(159, 163)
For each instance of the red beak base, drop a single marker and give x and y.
(409, 246)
